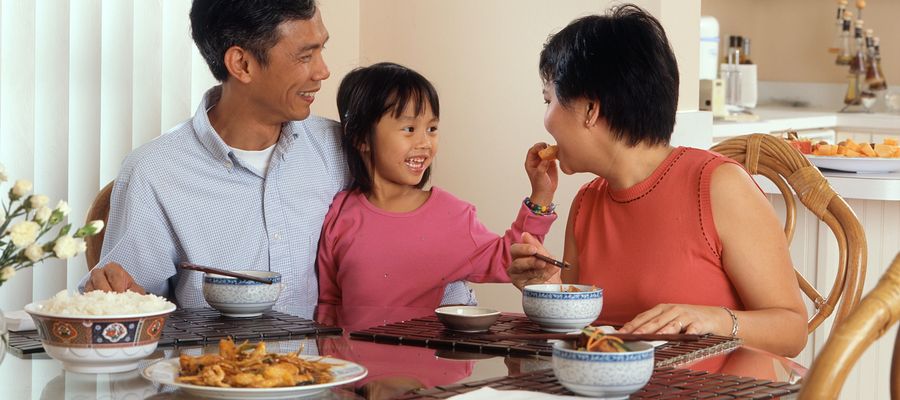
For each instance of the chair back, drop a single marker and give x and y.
(777, 160)
(99, 210)
(874, 315)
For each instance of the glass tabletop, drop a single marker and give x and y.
(392, 369)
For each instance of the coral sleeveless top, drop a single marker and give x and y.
(654, 242)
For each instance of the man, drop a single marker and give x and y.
(245, 183)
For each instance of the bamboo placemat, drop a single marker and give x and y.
(429, 332)
(668, 383)
(191, 327)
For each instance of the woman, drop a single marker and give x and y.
(680, 239)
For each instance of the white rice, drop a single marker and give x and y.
(99, 302)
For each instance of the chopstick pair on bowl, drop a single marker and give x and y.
(211, 270)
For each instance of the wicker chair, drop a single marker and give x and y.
(99, 210)
(877, 313)
(775, 159)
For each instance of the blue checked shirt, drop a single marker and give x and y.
(185, 196)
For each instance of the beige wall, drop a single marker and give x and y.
(341, 18)
(790, 38)
(482, 55)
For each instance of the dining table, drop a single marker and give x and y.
(402, 365)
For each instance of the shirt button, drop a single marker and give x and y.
(276, 236)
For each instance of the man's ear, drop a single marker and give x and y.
(592, 113)
(237, 62)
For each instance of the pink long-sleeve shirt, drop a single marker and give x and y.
(371, 257)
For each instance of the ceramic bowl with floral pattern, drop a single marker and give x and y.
(605, 375)
(99, 343)
(242, 298)
(562, 307)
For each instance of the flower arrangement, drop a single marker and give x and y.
(20, 245)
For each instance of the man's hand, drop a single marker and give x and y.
(112, 278)
(525, 269)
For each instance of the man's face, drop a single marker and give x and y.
(286, 87)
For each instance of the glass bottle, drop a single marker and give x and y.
(857, 69)
(876, 43)
(873, 76)
(836, 46)
(745, 56)
(844, 55)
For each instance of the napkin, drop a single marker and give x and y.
(487, 393)
(18, 321)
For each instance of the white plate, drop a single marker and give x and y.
(856, 164)
(165, 372)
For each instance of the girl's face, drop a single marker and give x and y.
(565, 125)
(404, 147)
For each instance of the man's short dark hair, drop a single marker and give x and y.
(624, 61)
(217, 25)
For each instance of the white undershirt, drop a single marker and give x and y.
(256, 159)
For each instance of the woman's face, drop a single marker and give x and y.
(404, 147)
(566, 125)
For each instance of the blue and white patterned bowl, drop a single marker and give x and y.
(605, 375)
(241, 298)
(558, 311)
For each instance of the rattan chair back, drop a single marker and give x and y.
(99, 210)
(788, 169)
(874, 316)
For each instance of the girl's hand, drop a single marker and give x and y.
(526, 269)
(542, 174)
(681, 318)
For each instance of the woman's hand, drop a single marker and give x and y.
(543, 175)
(681, 318)
(525, 269)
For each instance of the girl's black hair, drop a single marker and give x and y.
(367, 94)
(624, 61)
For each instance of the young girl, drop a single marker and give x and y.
(389, 242)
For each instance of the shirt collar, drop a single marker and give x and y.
(213, 143)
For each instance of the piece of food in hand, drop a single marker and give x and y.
(549, 152)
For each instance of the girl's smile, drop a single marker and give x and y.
(404, 147)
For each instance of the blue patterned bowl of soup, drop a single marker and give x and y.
(100, 332)
(600, 374)
(242, 298)
(562, 307)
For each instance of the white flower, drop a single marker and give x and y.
(65, 247)
(21, 187)
(7, 273)
(42, 214)
(39, 200)
(24, 233)
(63, 207)
(82, 245)
(34, 252)
(3, 176)
(96, 225)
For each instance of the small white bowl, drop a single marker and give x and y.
(605, 375)
(558, 311)
(99, 343)
(469, 319)
(241, 298)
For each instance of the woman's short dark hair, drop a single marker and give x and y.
(217, 25)
(367, 94)
(624, 61)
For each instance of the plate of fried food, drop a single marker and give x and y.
(850, 156)
(247, 371)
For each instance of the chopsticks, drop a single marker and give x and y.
(560, 264)
(566, 336)
(211, 270)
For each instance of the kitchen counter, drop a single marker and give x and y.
(778, 119)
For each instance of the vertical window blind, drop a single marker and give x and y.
(82, 83)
